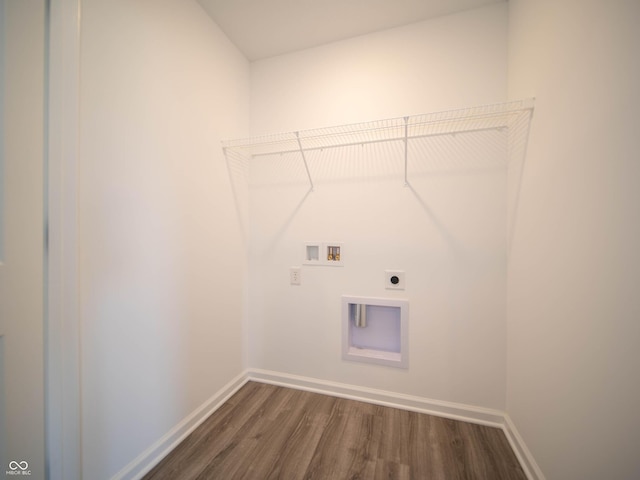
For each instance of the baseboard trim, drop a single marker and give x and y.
(528, 463)
(148, 459)
(455, 411)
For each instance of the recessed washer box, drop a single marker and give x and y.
(313, 253)
(375, 330)
(328, 254)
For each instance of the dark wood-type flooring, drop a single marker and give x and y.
(268, 432)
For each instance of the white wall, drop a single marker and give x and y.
(162, 261)
(574, 267)
(447, 232)
(22, 41)
(449, 62)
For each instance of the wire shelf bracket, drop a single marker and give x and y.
(406, 150)
(304, 159)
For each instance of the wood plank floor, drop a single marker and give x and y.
(269, 432)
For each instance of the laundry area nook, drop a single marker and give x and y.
(415, 212)
(381, 239)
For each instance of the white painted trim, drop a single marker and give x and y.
(148, 459)
(454, 411)
(62, 318)
(528, 463)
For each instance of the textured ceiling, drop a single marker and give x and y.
(264, 28)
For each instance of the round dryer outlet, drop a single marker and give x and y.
(394, 279)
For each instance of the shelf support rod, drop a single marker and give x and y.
(406, 149)
(304, 159)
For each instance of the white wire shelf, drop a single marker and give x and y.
(402, 129)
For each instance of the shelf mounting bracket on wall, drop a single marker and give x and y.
(304, 159)
(406, 149)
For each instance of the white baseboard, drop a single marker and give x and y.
(455, 411)
(148, 459)
(528, 463)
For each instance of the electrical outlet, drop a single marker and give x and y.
(294, 275)
(394, 280)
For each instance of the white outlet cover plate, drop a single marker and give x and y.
(399, 284)
(295, 274)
